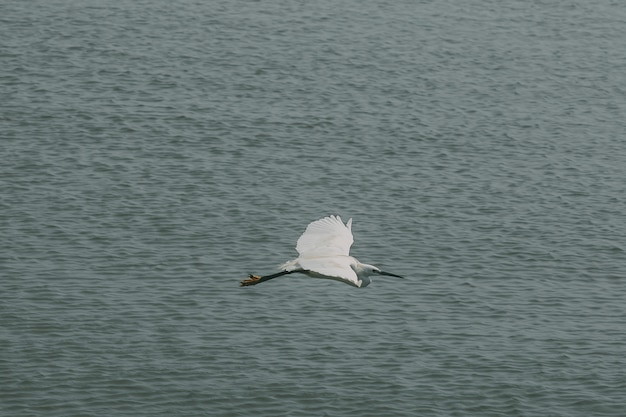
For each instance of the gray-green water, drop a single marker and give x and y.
(153, 153)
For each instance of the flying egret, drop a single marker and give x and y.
(324, 249)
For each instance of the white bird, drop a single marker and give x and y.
(324, 249)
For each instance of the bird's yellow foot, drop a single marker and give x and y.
(252, 280)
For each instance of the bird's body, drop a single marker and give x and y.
(341, 268)
(324, 249)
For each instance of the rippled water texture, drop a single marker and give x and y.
(154, 153)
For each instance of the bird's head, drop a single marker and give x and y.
(367, 270)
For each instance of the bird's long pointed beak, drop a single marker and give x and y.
(390, 274)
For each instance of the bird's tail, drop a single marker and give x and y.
(289, 265)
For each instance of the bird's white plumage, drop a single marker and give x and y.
(326, 237)
(336, 267)
(324, 250)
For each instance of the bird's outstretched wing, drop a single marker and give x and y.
(326, 237)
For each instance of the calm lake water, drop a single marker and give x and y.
(153, 153)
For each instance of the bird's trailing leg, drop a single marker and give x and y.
(255, 279)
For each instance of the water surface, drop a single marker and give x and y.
(154, 153)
